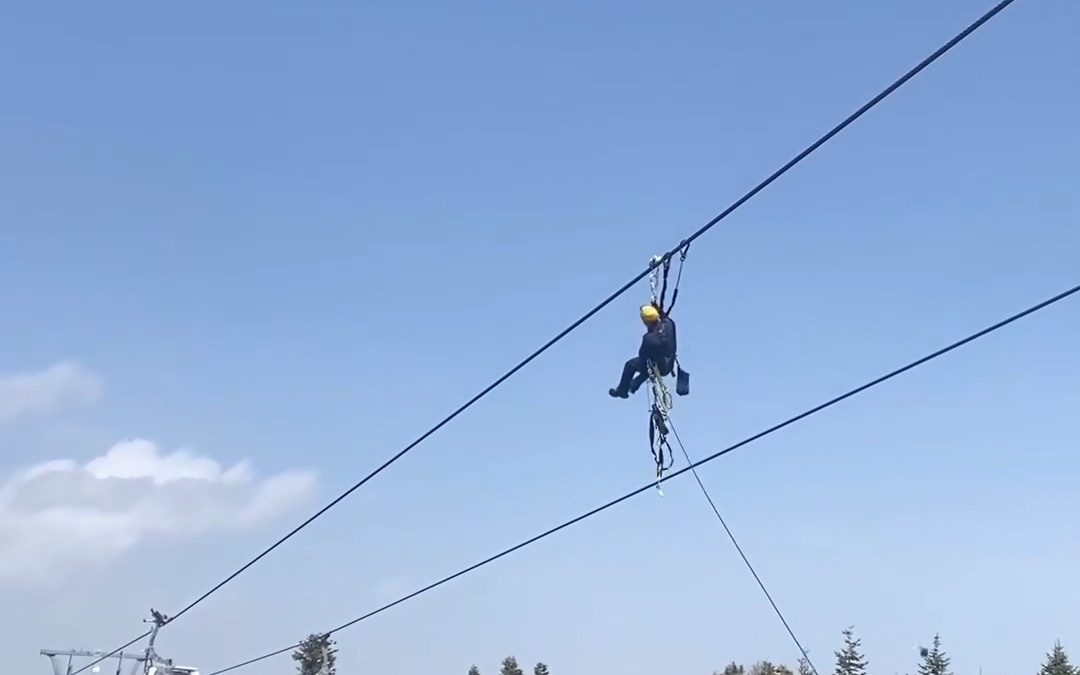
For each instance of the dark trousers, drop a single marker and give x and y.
(636, 371)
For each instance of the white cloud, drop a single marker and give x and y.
(46, 391)
(59, 516)
(140, 459)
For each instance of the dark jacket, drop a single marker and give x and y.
(659, 344)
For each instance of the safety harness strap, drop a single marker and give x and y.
(678, 277)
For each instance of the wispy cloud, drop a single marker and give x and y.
(45, 391)
(59, 515)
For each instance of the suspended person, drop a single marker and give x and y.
(658, 347)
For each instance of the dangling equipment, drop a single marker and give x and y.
(658, 431)
(660, 400)
(659, 405)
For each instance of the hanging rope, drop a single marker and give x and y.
(739, 549)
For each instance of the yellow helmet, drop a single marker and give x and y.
(649, 314)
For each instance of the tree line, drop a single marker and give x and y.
(851, 660)
(317, 656)
(510, 667)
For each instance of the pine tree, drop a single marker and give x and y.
(850, 661)
(540, 669)
(1057, 663)
(804, 667)
(763, 668)
(934, 660)
(474, 671)
(783, 670)
(510, 667)
(732, 669)
(311, 653)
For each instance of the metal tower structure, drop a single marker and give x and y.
(146, 663)
(60, 668)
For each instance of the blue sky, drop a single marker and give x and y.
(298, 234)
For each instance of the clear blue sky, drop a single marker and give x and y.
(300, 233)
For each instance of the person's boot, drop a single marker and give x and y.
(618, 393)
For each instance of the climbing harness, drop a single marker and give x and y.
(660, 400)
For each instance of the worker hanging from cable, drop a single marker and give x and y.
(659, 346)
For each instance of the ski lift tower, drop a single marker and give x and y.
(154, 664)
(146, 663)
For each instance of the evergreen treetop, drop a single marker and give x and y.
(309, 656)
(510, 667)
(763, 668)
(850, 660)
(1057, 662)
(934, 661)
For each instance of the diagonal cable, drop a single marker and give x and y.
(720, 453)
(735, 542)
